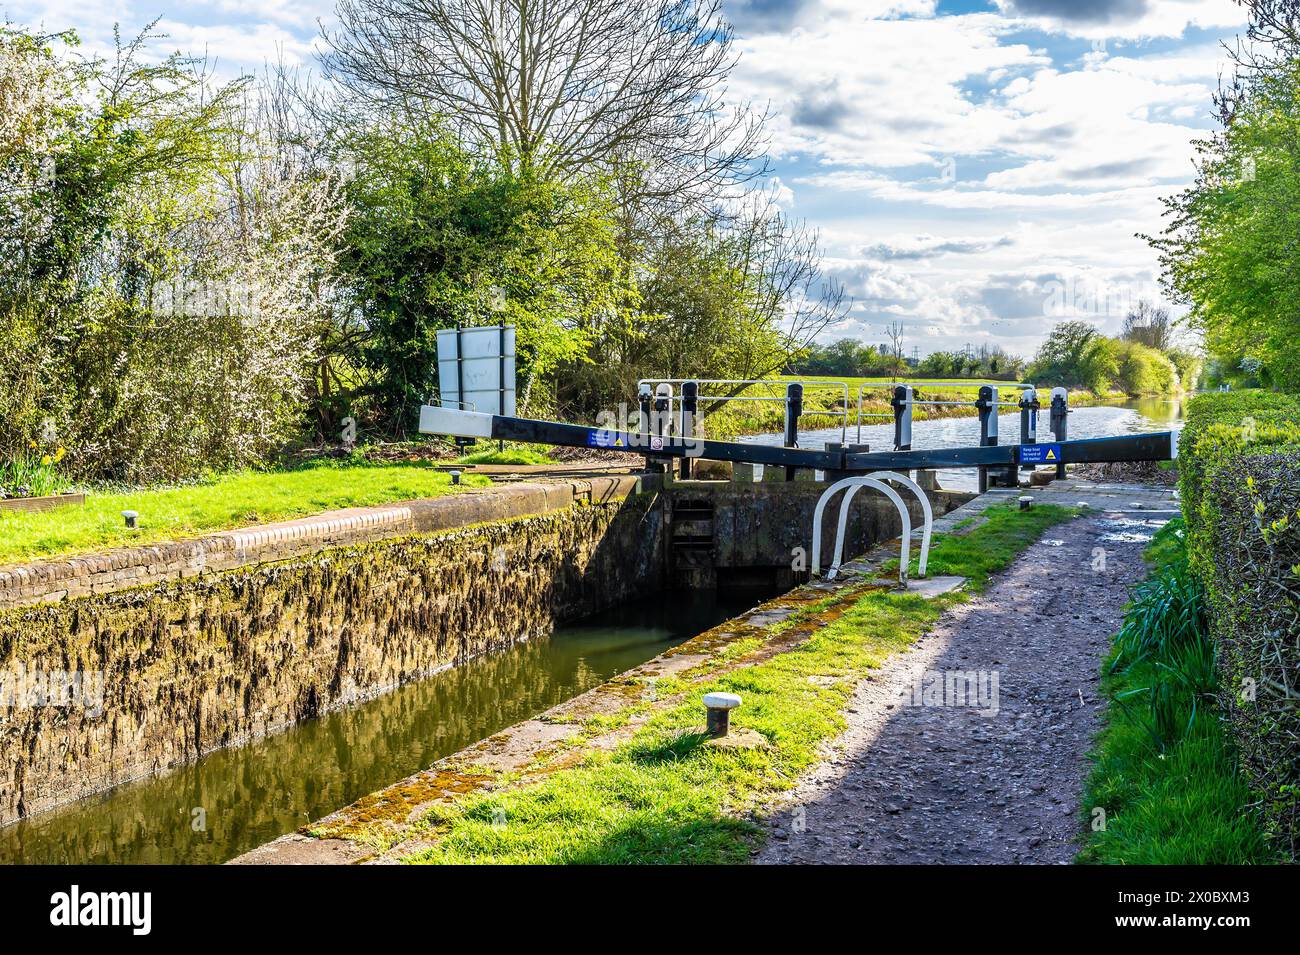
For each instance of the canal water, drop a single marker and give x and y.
(1100, 421)
(236, 799)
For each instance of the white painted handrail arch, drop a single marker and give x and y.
(915, 488)
(875, 480)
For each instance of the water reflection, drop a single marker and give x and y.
(236, 799)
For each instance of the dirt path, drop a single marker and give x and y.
(910, 783)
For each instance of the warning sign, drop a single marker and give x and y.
(603, 438)
(1040, 453)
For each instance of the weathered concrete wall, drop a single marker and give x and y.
(193, 664)
(722, 527)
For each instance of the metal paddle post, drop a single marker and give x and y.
(793, 409)
(987, 403)
(1059, 421)
(686, 418)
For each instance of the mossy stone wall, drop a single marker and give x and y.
(200, 663)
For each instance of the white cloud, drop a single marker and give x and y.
(956, 165)
(1124, 19)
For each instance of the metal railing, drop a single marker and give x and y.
(674, 396)
(890, 386)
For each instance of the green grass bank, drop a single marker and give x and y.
(1166, 788)
(664, 795)
(232, 500)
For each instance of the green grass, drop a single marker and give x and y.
(664, 796)
(234, 500)
(511, 455)
(1164, 773)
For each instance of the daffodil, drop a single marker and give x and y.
(47, 460)
(59, 454)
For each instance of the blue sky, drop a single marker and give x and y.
(977, 170)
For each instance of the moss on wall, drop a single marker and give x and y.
(194, 665)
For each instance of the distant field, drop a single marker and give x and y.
(855, 383)
(823, 403)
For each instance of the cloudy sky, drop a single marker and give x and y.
(977, 168)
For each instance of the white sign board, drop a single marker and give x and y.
(476, 369)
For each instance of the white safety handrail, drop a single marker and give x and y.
(927, 529)
(819, 510)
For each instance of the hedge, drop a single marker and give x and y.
(1239, 467)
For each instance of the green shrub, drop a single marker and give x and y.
(1239, 463)
(1141, 370)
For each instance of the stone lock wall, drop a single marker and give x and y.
(195, 663)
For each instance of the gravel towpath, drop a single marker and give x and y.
(999, 781)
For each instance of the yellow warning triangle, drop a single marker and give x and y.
(1051, 455)
(618, 442)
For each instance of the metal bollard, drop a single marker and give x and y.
(793, 409)
(687, 417)
(663, 405)
(1060, 428)
(718, 707)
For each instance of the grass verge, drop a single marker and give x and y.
(491, 454)
(664, 796)
(233, 500)
(1165, 789)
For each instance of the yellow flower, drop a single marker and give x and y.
(60, 454)
(47, 460)
(33, 444)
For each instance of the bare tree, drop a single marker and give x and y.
(895, 332)
(562, 87)
(1149, 325)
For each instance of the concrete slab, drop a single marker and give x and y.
(930, 587)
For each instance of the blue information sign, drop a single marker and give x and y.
(1040, 453)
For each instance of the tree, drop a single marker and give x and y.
(1141, 370)
(845, 358)
(1229, 250)
(562, 87)
(1075, 355)
(731, 299)
(441, 238)
(1149, 325)
(166, 266)
(895, 332)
